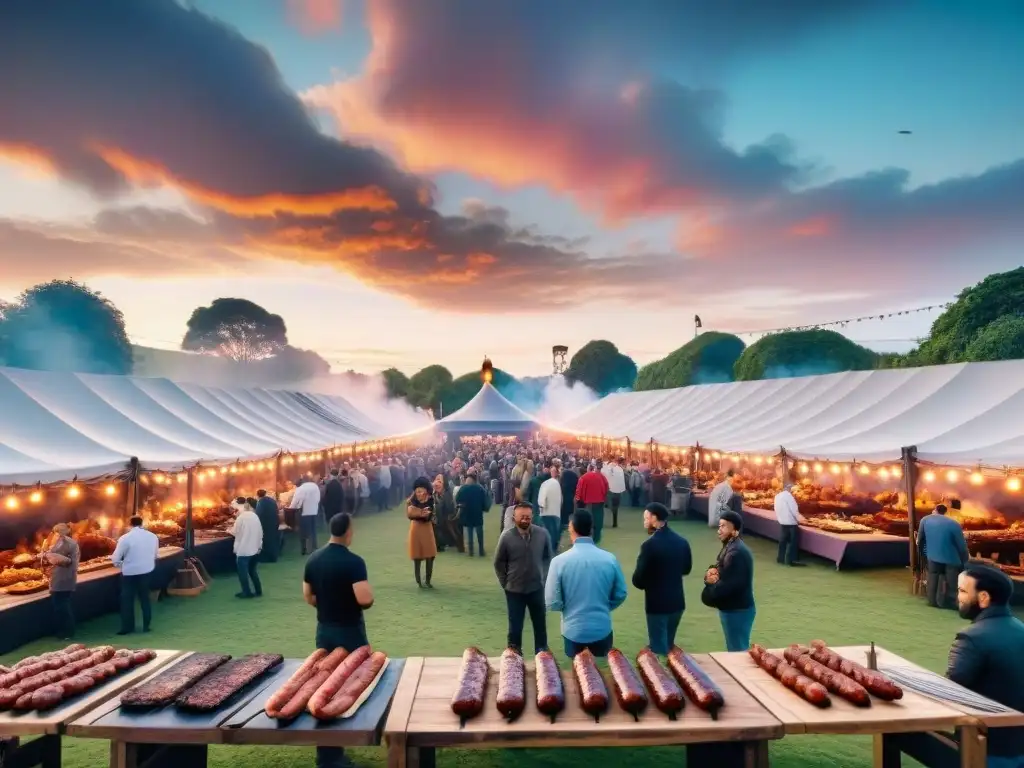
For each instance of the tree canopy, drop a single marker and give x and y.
(708, 359)
(428, 385)
(64, 326)
(396, 383)
(235, 328)
(1002, 339)
(802, 353)
(599, 365)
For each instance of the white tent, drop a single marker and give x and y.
(54, 426)
(961, 415)
(488, 413)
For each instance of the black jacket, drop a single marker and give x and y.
(569, 480)
(663, 561)
(734, 590)
(266, 511)
(334, 498)
(988, 658)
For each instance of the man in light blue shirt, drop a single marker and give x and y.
(135, 555)
(585, 584)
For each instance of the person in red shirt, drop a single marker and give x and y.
(591, 492)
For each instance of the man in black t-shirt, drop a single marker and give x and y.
(335, 583)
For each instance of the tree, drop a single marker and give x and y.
(465, 387)
(396, 383)
(427, 386)
(802, 353)
(975, 308)
(707, 359)
(599, 365)
(291, 365)
(1002, 339)
(64, 326)
(235, 328)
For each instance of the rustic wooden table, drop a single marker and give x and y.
(913, 713)
(49, 726)
(421, 720)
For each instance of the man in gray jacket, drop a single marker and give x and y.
(521, 562)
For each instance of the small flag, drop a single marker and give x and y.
(696, 321)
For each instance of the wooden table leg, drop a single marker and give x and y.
(420, 757)
(729, 754)
(887, 753)
(973, 747)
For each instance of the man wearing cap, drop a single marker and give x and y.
(729, 583)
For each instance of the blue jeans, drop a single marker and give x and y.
(598, 647)
(997, 761)
(736, 625)
(517, 604)
(661, 631)
(307, 531)
(553, 525)
(247, 571)
(478, 531)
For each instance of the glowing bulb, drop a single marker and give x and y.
(929, 476)
(836, 469)
(952, 476)
(1013, 484)
(707, 457)
(158, 478)
(250, 466)
(233, 470)
(36, 497)
(977, 478)
(883, 473)
(74, 492)
(111, 489)
(864, 469)
(803, 469)
(758, 460)
(817, 467)
(223, 470)
(201, 477)
(11, 502)
(182, 477)
(896, 472)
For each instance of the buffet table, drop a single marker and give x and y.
(30, 617)
(846, 550)
(49, 726)
(421, 721)
(886, 721)
(168, 737)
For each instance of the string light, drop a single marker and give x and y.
(35, 497)
(111, 489)
(929, 476)
(74, 492)
(803, 469)
(817, 467)
(836, 469)
(864, 469)
(977, 478)
(11, 502)
(896, 472)
(1013, 484)
(883, 473)
(952, 476)
(250, 466)
(223, 470)
(182, 477)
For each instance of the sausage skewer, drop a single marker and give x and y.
(699, 688)
(628, 689)
(809, 690)
(468, 701)
(836, 682)
(593, 691)
(667, 695)
(875, 682)
(511, 699)
(550, 691)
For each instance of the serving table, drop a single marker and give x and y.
(913, 714)
(421, 721)
(168, 737)
(49, 726)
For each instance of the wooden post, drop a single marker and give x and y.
(910, 482)
(133, 491)
(629, 450)
(189, 529)
(278, 484)
(784, 459)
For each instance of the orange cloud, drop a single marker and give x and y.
(30, 157)
(314, 17)
(819, 226)
(370, 198)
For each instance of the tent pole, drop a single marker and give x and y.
(189, 528)
(910, 482)
(629, 450)
(784, 459)
(277, 475)
(133, 495)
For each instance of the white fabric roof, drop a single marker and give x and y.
(961, 415)
(488, 411)
(54, 426)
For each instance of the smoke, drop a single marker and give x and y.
(551, 399)
(714, 376)
(816, 368)
(368, 395)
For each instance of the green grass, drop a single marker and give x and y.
(467, 608)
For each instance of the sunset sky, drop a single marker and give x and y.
(419, 181)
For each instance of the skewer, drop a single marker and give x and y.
(462, 722)
(672, 716)
(553, 716)
(636, 718)
(714, 714)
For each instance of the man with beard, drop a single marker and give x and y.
(663, 561)
(521, 562)
(988, 656)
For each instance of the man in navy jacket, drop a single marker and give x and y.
(663, 561)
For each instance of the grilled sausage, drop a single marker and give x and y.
(511, 699)
(694, 681)
(353, 687)
(629, 691)
(286, 692)
(143, 657)
(836, 682)
(333, 684)
(298, 703)
(47, 697)
(593, 691)
(790, 677)
(471, 687)
(875, 682)
(550, 691)
(332, 660)
(667, 695)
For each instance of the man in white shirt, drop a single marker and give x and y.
(549, 500)
(718, 501)
(364, 489)
(616, 478)
(248, 533)
(788, 514)
(383, 486)
(135, 555)
(306, 500)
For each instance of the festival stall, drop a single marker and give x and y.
(869, 452)
(489, 413)
(93, 450)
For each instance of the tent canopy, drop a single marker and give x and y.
(963, 415)
(488, 413)
(55, 425)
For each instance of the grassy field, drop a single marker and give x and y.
(467, 608)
